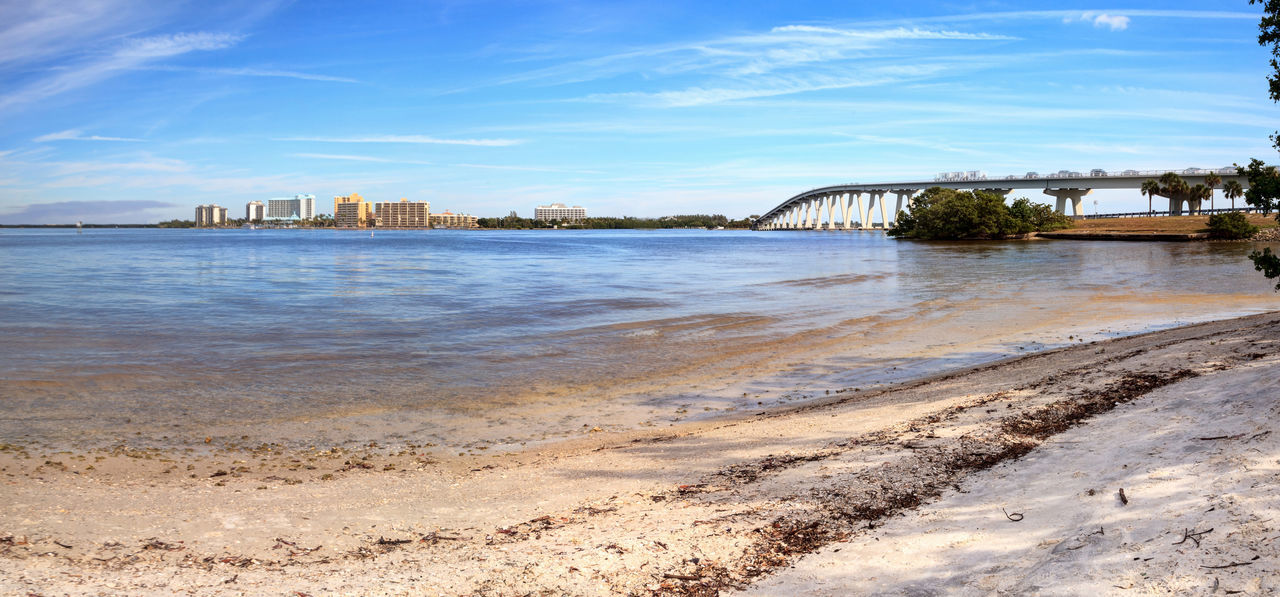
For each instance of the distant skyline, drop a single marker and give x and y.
(132, 112)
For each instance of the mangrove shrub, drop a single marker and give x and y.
(948, 214)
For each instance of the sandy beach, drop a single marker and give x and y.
(1145, 464)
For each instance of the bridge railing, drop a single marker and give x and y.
(1144, 214)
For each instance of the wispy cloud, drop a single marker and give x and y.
(254, 72)
(410, 139)
(896, 33)
(129, 54)
(65, 212)
(771, 87)
(77, 135)
(357, 158)
(525, 168)
(778, 49)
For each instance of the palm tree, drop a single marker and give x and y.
(1150, 188)
(1195, 196)
(1212, 180)
(1174, 187)
(1232, 190)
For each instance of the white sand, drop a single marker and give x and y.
(699, 508)
(1076, 537)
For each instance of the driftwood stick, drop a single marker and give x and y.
(681, 576)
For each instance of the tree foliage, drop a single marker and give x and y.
(1231, 226)
(1268, 263)
(1264, 185)
(512, 221)
(940, 213)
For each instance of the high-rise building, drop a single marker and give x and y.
(211, 215)
(452, 220)
(559, 211)
(351, 211)
(298, 207)
(254, 211)
(403, 214)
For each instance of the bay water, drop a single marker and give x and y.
(470, 340)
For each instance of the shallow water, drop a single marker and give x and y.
(469, 337)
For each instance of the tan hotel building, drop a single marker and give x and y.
(404, 214)
(452, 220)
(352, 211)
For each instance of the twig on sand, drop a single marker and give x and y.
(1231, 565)
(681, 576)
(1124, 500)
(1209, 439)
(1011, 516)
(1192, 535)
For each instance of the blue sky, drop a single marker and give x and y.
(115, 111)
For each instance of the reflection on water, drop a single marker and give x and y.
(505, 336)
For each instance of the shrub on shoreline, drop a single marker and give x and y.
(1231, 226)
(948, 214)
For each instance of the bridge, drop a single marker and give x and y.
(845, 209)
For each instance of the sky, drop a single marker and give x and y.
(116, 111)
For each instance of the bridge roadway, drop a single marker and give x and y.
(805, 211)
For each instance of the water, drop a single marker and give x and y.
(470, 338)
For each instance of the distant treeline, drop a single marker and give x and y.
(509, 222)
(624, 223)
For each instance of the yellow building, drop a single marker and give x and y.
(452, 220)
(403, 214)
(352, 211)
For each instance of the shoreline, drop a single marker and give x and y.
(722, 502)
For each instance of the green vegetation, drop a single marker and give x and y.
(939, 213)
(1231, 226)
(177, 224)
(1264, 195)
(512, 221)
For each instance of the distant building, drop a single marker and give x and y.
(352, 211)
(254, 211)
(299, 207)
(558, 211)
(452, 220)
(211, 215)
(403, 214)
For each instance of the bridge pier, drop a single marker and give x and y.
(874, 198)
(1175, 205)
(1075, 195)
(904, 199)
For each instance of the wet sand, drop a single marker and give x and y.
(872, 482)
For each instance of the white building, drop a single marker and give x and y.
(300, 207)
(211, 215)
(558, 211)
(255, 211)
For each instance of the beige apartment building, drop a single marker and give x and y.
(403, 214)
(352, 211)
(452, 220)
(255, 211)
(211, 215)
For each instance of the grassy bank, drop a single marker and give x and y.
(1161, 225)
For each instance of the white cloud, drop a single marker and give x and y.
(413, 139)
(1115, 22)
(254, 72)
(159, 46)
(131, 54)
(897, 33)
(356, 158)
(77, 135)
(773, 86)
